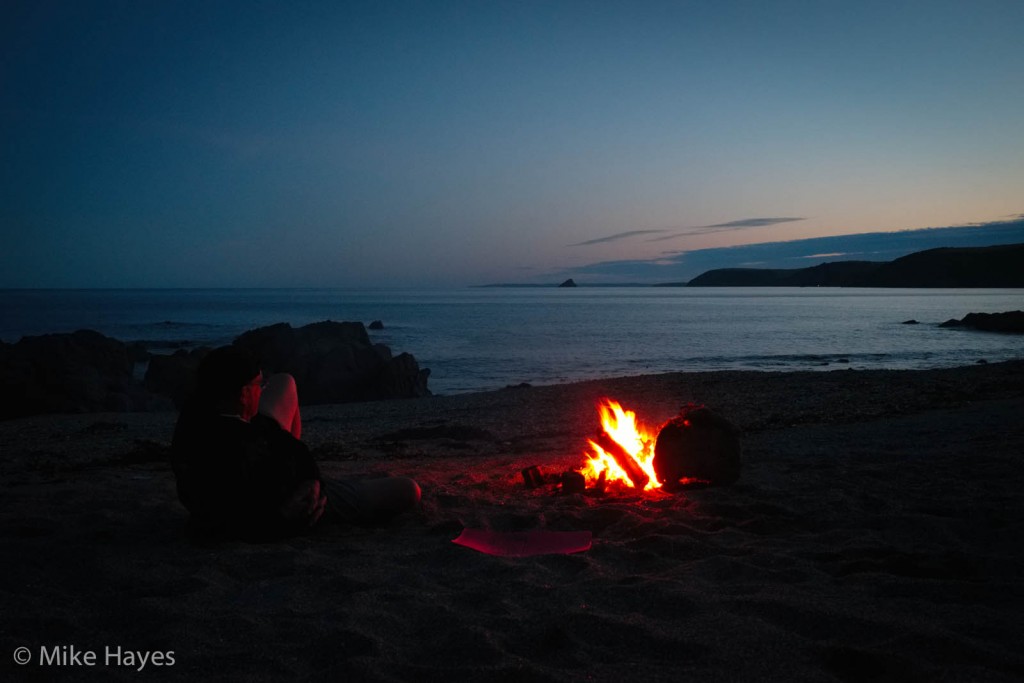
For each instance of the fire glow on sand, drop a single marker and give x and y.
(697, 447)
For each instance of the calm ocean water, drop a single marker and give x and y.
(486, 338)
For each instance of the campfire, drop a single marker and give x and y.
(695, 448)
(623, 452)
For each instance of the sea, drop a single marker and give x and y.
(484, 338)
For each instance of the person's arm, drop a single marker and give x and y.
(305, 500)
(306, 504)
(292, 453)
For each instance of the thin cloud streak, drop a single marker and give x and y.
(707, 230)
(755, 222)
(731, 225)
(616, 236)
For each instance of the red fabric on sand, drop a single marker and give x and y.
(524, 543)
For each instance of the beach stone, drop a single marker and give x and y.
(697, 444)
(335, 362)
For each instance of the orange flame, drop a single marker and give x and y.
(622, 427)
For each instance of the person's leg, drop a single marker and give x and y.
(370, 500)
(386, 497)
(280, 401)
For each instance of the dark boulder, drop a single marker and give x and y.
(699, 445)
(1011, 321)
(377, 325)
(173, 375)
(335, 362)
(138, 352)
(88, 372)
(77, 372)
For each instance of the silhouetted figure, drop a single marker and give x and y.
(242, 470)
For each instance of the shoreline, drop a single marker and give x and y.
(874, 533)
(539, 339)
(752, 399)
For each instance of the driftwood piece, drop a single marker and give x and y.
(624, 460)
(698, 444)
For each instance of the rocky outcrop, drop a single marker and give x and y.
(1011, 321)
(77, 372)
(335, 362)
(569, 283)
(173, 375)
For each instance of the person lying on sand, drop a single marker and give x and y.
(242, 470)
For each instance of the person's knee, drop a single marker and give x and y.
(390, 496)
(415, 492)
(281, 382)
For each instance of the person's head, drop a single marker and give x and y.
(229, 380)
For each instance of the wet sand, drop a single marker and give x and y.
(875, 534)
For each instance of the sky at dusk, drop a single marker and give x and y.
(238, 144)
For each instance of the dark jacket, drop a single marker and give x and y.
(233, 476)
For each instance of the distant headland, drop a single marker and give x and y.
(996, 266)
(1000, 266)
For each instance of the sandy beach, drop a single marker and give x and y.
(875, 534)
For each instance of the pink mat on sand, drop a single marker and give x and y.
(524, 543)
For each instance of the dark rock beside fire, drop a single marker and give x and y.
(698, 444)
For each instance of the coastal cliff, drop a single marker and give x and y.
(995, 266)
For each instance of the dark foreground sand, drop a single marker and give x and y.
(876, 534)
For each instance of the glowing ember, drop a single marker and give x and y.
(623, 438)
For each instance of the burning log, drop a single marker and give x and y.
(697, 445)
(624, 460)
